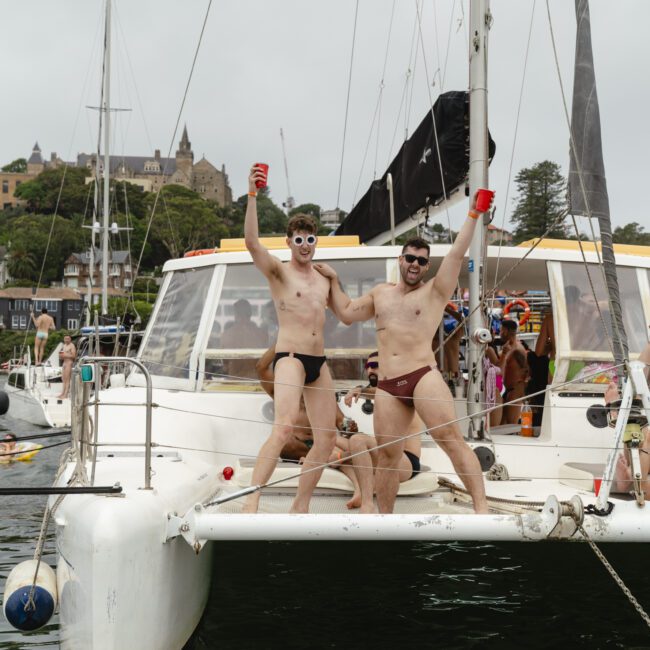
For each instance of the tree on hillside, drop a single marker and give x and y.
(632, 233)
(541, 199)
(18, 166)
(50, 188)
(271, 219)
(30, 233)
(21, 264)
(307, 208)
(184, 221)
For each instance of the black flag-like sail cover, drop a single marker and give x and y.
(587, 183)
(417, 179)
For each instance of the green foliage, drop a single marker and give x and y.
(307, 208)
(271, 219)
(632, 233)
(18, 166)
(29, 237)
(541, 199)
(46, 191)
(145, 284)
(183, 221)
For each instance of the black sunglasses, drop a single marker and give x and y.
(372, 364)
(422, 261)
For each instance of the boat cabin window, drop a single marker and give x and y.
(589, 319)
(171, 339)
(17, 380)
(245, 324)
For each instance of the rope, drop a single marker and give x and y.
(347, 103)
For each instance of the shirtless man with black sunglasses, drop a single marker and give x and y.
(406, 316)
(300, 295)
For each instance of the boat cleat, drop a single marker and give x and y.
(562, 519)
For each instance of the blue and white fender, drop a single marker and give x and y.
(20, 613)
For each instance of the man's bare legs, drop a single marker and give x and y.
(391, 422)
(39, 346)
(320, 403)
(289, 379)
(436, 408)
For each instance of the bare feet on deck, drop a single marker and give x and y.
(354, 502)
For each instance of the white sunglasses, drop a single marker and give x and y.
(299, 240)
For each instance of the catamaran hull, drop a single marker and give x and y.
(25, 406)
(120, 584)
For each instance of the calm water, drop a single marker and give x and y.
(376, 595)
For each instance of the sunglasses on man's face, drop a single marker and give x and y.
(422, 261)
(299, 240)
(372, 364)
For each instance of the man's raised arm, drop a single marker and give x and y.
(347, 311)
(447, 276)
(262, 259)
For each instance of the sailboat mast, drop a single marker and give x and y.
(107, 135)
(480, 19)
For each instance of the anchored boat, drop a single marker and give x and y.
(181, 424)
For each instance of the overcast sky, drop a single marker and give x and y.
(267, 64)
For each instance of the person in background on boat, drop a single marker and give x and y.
(44, 323)
(493, 382)
(242, 332)
(406, 316)
(67, 356)
(300, 295)
(454, 333)
(363, 448)
(514, 368)
(8, 445)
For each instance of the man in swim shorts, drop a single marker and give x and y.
(44, 323)
(300, 295)
(406, 316)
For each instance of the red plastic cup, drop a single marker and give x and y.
(597, 484)
(483, 200)
(264, 168)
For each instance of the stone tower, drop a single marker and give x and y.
(185, 156)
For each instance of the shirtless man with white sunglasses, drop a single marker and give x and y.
(300, 295)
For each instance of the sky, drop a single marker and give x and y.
(264, 65)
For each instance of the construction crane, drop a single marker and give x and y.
(290, 203)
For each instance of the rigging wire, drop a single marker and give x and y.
(514, 138)
(171, 144)
(586, 200)
(403, 101)
(347, 103)
(381, 85)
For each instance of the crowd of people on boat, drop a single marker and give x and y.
(409, 382)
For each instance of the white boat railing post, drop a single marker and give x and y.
(148, 407)
(480, 20)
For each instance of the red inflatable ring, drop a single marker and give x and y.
(522, 303)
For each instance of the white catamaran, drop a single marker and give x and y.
(173, 447)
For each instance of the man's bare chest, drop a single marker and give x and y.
(391, 306)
